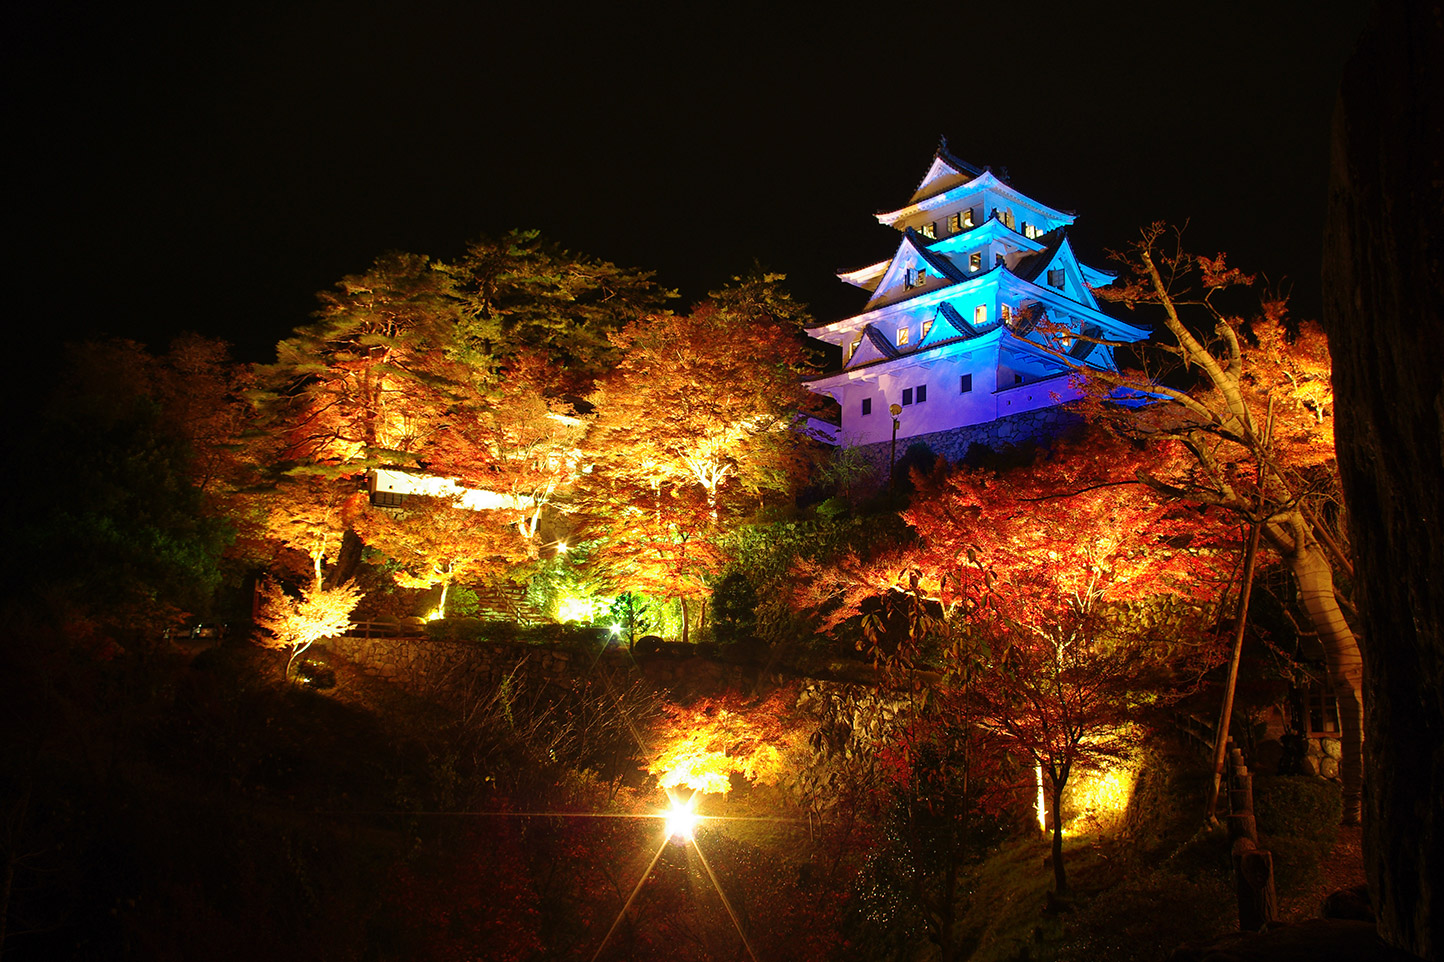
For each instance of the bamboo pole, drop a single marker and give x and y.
(1225, 715)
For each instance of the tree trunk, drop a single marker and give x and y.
(1315, 579)
(683, 600)
(348, 559)
(1060, 877)
(1383, 274)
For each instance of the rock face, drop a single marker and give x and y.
(1383, 277)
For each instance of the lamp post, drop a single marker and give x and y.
(894, 410)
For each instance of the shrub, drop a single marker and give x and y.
(1299, 806)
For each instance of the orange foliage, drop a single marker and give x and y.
(709, 741)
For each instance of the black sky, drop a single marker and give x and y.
(211, 168)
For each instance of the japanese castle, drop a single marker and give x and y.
(949, 343)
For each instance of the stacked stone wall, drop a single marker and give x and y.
(1045, 424)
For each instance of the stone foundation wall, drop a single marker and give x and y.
(1042, 425)
(1323, 757)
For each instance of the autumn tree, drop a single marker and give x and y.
(353, 387)
(521, 291)
(434, 541)
(294, 623)
(653, 539)
(701, 411)
(308, 509)
(503, 433)
(1052, 599)
(1078, 585)
(1252, 422)
(709, 398)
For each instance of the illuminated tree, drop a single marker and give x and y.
(309, 510)
(1254, 435)
(353, 387)
(701, 745)
(1051, 599)
(503, 434)
(294, 624)
(1070, 578)
(435, 542)
(523, 292)
(710, 399)
(695, 426)
(655, 540)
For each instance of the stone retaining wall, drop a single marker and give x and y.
(1042, 425)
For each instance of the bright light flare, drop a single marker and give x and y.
(682, 821)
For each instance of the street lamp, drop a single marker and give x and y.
(894, 410)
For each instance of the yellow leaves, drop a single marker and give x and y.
(708, 745)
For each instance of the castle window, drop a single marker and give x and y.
(927, 326)
(1017, 379)
(1056, 278)
(975, 261)
(1029, 230)
(998, 259)
(965, 384)
(922, 393)
(1005, 313)
(907, 396)
(852, 348)
(915, 278)
(902, 336)
(929, 230)
(866, 406)
(980, 315)
(388, 499)
(1008, 218)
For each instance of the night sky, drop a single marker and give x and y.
(210, 168)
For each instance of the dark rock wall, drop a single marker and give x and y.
(1383, 278)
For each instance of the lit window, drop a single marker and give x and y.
(968, 217)
(852, 348)
(929, 230)
(1005, 313)
(927, 326)
(975, 261)
(866, 406)
(980, 315)
(902, 335)
(1028, 230)
(922, 393)
(907, 396)
(965, 384)
(1055, 278)
(915, 278)
(955, 222)
(1008, 218)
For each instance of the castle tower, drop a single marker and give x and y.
(972, 324)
